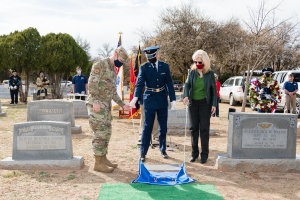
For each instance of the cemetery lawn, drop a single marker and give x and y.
(86, 184)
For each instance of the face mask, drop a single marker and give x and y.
(153, 60)
(79, 71)
(118, 63)
(200, 66)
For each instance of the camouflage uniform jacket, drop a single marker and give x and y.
(102, 83)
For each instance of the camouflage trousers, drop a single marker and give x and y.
(100, 123)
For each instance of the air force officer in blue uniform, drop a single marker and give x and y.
(155, 75)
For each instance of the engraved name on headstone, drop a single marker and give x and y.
(42, 140)
(51, 110)
(265, 135)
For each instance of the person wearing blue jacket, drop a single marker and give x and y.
(14, 83)
(155, 76)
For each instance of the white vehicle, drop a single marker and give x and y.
(5, 82)
(281, 77)
(66, 83)
(232, 90)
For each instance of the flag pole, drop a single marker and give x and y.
(122, 79)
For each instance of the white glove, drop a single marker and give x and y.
(132, 102)
(15, 87)
(173, 105)
(11, 87)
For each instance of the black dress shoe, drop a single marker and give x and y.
(193, 159)
(143, 158)
(164, 155)
(203, 160)
(11, 103)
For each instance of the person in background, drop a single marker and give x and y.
(102, 89)
(218, 87)
(290, 88)
(79, 82)
(42, 83)
(13, 85)
(201, 96)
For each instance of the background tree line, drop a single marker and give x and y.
(29, 53)
(262, 41)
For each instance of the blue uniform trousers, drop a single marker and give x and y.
(162, 117)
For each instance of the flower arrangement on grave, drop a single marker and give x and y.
(265, 92)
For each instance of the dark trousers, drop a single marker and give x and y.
(39, 96)
(200, 112)
(14, 96)
(162, 118)
(80, 97)
(217, 107)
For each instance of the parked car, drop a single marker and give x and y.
(281, 77)
(5, 82)
(178, 86)
(232, 90)
(66, 83)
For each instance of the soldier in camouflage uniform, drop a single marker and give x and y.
(102, 89)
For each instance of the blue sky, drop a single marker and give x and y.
(100, 21)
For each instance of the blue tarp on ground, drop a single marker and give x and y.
(162, 178)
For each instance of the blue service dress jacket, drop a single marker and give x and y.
(153, 80)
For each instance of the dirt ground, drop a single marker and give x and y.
(86, 183)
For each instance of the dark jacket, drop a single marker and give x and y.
(151, 79)
(209, 84)
(14, 81)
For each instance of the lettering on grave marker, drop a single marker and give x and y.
(265, 136)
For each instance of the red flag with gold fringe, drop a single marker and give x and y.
(132, 83)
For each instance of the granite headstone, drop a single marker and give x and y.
(178, 120)
(260, 142)
(42, 145)
(80, 109)
(52, 110)
(2, 114)
(257, 135)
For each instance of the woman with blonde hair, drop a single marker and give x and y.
(200, 95)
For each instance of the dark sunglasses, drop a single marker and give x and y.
(198, 62)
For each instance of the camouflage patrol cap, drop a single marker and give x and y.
(122, 53)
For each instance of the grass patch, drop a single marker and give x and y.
(71, 177)
(13, 174)
(44, 174)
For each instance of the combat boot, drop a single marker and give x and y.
(108, 163)
(100, 166)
